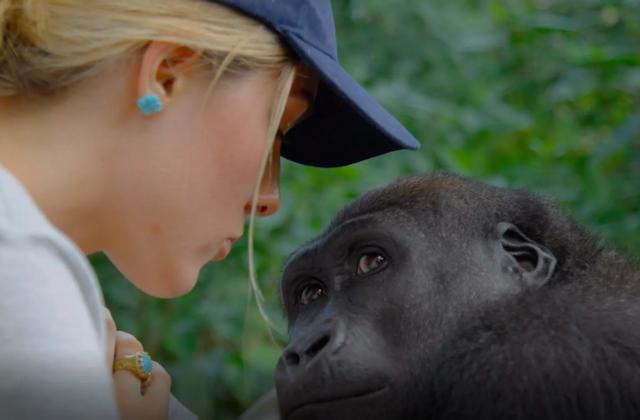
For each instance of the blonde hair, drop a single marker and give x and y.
(286, 81)
(50, 45)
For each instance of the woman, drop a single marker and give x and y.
(148, 130)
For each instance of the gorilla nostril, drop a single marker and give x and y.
(291, 358)
(317, 346)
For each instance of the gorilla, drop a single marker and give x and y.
(437, 297)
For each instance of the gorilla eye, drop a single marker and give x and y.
(370, 262)
(310, 293)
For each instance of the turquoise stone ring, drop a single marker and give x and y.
(139, 364)
(144, 362)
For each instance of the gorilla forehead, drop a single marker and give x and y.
(431, 200)
(456, 207)
(469, 208)
(418, 203)
(386, 223)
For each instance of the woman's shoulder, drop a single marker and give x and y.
(19, 214)
(38, 255)
(51, 318)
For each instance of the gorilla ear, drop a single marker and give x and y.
(533, 262)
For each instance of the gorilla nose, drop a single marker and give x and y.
(293, 357)
(301, 353)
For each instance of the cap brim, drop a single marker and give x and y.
(347, 124)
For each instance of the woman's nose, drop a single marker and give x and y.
(269, 195)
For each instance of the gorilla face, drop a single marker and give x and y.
(360, 300)
(370, 302)
(347, 335)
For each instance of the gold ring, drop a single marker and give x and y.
(139, 364)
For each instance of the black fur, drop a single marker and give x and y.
(444, 331)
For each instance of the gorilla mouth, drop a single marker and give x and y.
(335, 399)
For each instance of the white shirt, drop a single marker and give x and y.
(52, 332)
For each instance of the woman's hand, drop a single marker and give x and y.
(128, 389)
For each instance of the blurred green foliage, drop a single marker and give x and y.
(538, 94)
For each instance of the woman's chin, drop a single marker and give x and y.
(163, 274)
(169, 287)
(167, 291)
(162, 279)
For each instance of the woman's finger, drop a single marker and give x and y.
(110, 327)
(160, 383)
(133, 403)
(126, 344)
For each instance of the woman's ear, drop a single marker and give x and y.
(164, 67)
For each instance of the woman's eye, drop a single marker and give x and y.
(310, 293)
(370, 262)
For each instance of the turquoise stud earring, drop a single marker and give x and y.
(149, 103)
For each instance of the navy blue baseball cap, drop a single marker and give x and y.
(347, 125)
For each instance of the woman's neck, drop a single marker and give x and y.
(55, 148)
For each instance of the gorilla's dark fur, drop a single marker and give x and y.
(437, 297)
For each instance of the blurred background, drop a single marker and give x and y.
(535, 94)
